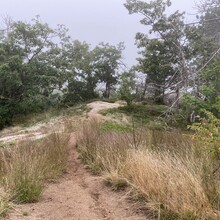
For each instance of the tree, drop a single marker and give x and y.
(204, 39)
(107, 63)
(155, 63)
(170, 31)
(127, 87)
(81, 73)
(28, 72)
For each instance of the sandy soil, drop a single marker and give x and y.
(78, 195)
(39, 130)
(97, 106)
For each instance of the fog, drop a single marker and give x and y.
(91, 21)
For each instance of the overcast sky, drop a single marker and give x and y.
(93, 21)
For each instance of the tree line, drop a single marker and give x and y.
(42, 67)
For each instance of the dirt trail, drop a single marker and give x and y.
(78, 195)
(98, 106)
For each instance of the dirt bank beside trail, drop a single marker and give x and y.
(78, 195)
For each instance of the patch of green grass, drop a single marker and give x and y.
(27, 190)
(166, 214)
(7, 144)
(113, 126)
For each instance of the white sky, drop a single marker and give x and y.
(93, 21)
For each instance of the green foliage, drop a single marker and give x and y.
(181, 56)
(113, 126)
(207, 131)
(107, 63)
(143, 111)
(204, 40)
(41, 67)
(164, 59)
(207, 136)
(28, 74)
(211, 78)
(192, 103)
(156, 64)
(77, 92)
(210, 10)
(127, 89)
(82, 79)
(210, 90)
(6, 114)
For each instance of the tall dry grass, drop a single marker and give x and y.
(163, 166)
(99, 150)
(168, 181)
(4, 204)
(26, 166)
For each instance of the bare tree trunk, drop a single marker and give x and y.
(144, 91)
(107, 90)
(177, 101)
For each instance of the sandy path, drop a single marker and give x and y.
(97, 106)
(78, 195)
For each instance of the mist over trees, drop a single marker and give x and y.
(42, 67)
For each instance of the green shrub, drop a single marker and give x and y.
(6, 114)
(207, 131)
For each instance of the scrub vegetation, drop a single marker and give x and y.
(162, 144)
